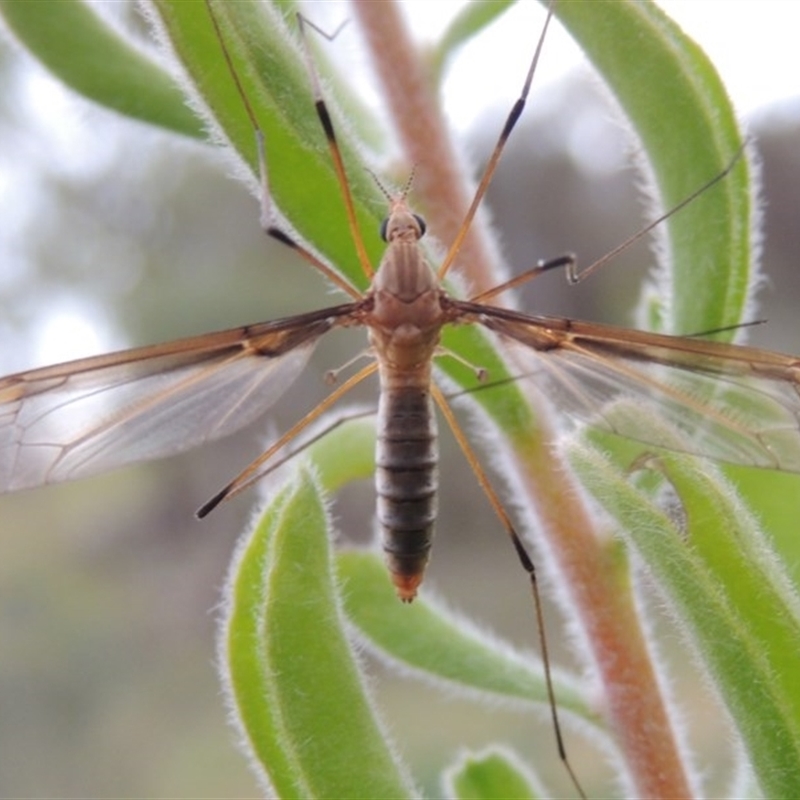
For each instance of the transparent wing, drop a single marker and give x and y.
(722, 401)
(83, 417)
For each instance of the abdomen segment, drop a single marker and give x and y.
(406, 481)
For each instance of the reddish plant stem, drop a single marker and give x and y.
(596, 579)
(600, 593)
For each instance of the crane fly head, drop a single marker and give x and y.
(402, 224)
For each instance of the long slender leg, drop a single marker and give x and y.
(335, 151)
(527, 564)
(570, 264)
(268, 216)
(494, 159)
(575, 275)
(566, 262)
(253, 472)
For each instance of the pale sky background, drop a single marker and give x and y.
(753, 45)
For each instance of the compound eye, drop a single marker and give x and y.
(423, 226)
(385, 229)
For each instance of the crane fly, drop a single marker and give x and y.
(739, 404)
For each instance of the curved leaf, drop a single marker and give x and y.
(492, 775)
(731, 595)
(82, 50)
(291, 677)
(437, 645)
(678, 107)
(263, 47)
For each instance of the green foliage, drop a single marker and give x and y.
(289, 668)
(490, 775)
(441, 647)
(73, 41)
(290, 673)
(680, 111)
(731, 594)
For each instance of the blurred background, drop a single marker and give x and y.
(114, 235)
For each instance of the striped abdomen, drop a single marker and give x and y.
(406, 482)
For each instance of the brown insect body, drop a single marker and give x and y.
(405, 323)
